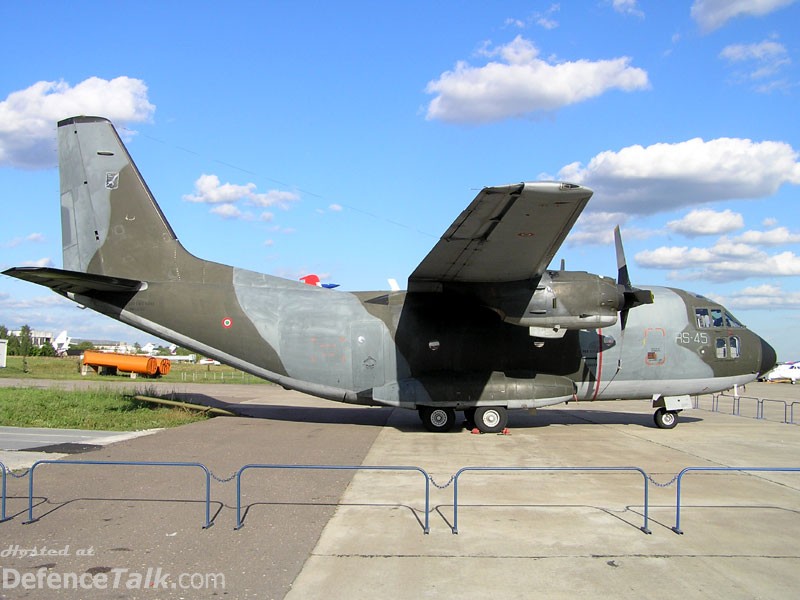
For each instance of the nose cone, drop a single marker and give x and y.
(768, 357)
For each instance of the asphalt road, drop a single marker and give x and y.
(151, 517)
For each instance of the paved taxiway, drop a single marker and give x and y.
(345, 535)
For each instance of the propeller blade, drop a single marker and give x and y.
(631, 297)
(622, 265)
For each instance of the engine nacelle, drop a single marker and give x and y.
(566, 300)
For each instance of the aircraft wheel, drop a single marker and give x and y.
(665, 419)
(437, 419)
(490, 419)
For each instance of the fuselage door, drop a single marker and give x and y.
(366, 339)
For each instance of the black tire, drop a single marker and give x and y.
(665, 419)
(437, 419)
(490, 419)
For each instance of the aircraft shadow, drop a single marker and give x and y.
(371, 416)
(408, 421)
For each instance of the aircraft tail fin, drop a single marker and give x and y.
(111, 224)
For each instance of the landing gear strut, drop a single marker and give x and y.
(665, 419)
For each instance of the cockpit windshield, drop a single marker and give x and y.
(706, 318)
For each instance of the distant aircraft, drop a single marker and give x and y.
(483, 327)
(61, 343)
(786, 371)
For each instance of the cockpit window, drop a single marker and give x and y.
(716, 317)
(731, 320)
(702, 317)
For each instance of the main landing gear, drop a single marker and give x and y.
(666, 419)
(488, 419)
(437, 419)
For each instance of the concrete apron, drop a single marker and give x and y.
(560, 534)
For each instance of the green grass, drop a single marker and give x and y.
(100, 410)
(42, 367)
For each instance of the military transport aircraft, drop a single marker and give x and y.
(483, 327)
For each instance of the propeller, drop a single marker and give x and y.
(630, 297)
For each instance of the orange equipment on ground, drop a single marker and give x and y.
(164, 366)
(110, 363)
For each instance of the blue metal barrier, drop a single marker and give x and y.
(644, 527)
(3, 494)
(761, 402)
(123, 463)
(677, 527)
(239, 473)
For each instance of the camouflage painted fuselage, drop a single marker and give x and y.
(434, 345)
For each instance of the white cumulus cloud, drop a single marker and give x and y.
(774, 237)
(520, 84)
(764, 296)
(28, 117)
(727, 260)
(208, 189)
(228, 211)
(713, 14)
(42, 262)
(663, 177)
(707, 222)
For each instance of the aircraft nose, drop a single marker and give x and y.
(768, 357)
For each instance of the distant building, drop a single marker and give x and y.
(38, 338)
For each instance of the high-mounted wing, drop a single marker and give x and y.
(508, 233)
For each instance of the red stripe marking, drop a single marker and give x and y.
(599, 363)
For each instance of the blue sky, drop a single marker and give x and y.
(343, 138)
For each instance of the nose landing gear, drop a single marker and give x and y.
(665, 419)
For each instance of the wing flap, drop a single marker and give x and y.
(507, 233)
(76, 282)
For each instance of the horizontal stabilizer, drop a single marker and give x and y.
(76, 282)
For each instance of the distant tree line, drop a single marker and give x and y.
(22, 345)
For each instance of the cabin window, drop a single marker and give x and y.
(729, 347)
(702, 317)
(733, 343)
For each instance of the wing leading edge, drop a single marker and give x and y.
(508, 233)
